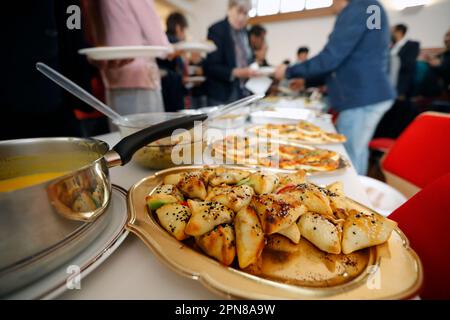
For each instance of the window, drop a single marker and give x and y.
(262, 8)
(403, 4)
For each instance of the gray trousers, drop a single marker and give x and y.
(132, 101)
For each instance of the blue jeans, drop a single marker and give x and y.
(359, 125)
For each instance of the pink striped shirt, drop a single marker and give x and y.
(128, 23)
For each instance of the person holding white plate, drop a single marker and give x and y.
(133, 87)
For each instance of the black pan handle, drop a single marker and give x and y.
(132, 143)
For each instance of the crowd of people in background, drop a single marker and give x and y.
(376, 82)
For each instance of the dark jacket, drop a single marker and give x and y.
(172, 86)
(219, 64)
(354, 61)
(443, 73)
(408, 60)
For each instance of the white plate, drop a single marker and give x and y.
(258, 85)
(206, 47)
(265, 71)
(196, 79)
(383, 198)
(285, 115)
(301, 102)
(125, 52)
(54, 284)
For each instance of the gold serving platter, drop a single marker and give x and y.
(389, 271)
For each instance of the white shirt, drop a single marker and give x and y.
(395, 63)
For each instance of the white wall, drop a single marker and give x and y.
(427, 24)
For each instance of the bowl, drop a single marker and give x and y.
(184, 147)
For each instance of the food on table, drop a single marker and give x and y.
(277, 212)
(290, 180)
(262, 182)
(219, 243)
(27, 181)
(321, 232)
(311, 196)
(164, 194)
(292, 233)
(191, 184)
(206, 216)
(249, 237)
(303, 131)
(233, 213)
(362, 230)
(276, 154)
(174, 217)
(158, 155)
(233, 197)
(228, 176)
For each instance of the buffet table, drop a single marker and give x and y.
(133, 272)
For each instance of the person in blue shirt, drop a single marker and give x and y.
(354, 63)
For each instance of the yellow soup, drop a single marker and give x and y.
(27, 181)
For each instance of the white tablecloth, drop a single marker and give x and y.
(133, 272)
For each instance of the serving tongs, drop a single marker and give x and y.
(226, 109)
(157, 131)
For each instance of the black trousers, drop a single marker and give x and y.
(401, 114)
(59, 123)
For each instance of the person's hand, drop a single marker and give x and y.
(196, 58)
(244, 73)
(175, 54)
(434, 62)
(297, 84)
(110, 64)
(280, 71)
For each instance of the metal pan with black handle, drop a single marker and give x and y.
(46, 223)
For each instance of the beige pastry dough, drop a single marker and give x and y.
(249, 237)
(166, 193)
(277, 212)
(191, 184)
(174, 217)
(337, 196)
(365, 230)
(292, 179)
(228, 176)
(219, 243)
(263, 183)
(206, 215)
(232, 197)
(292, 233)
(320, 232)
(313, 198)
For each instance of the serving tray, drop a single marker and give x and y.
(389, 271)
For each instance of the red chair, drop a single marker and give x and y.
(381, 144)
(425, 219)
(98, 90)
(420, 155)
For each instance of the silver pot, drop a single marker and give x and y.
(46, 224)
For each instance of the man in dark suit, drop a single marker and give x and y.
(227, 68)
(404, 70)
